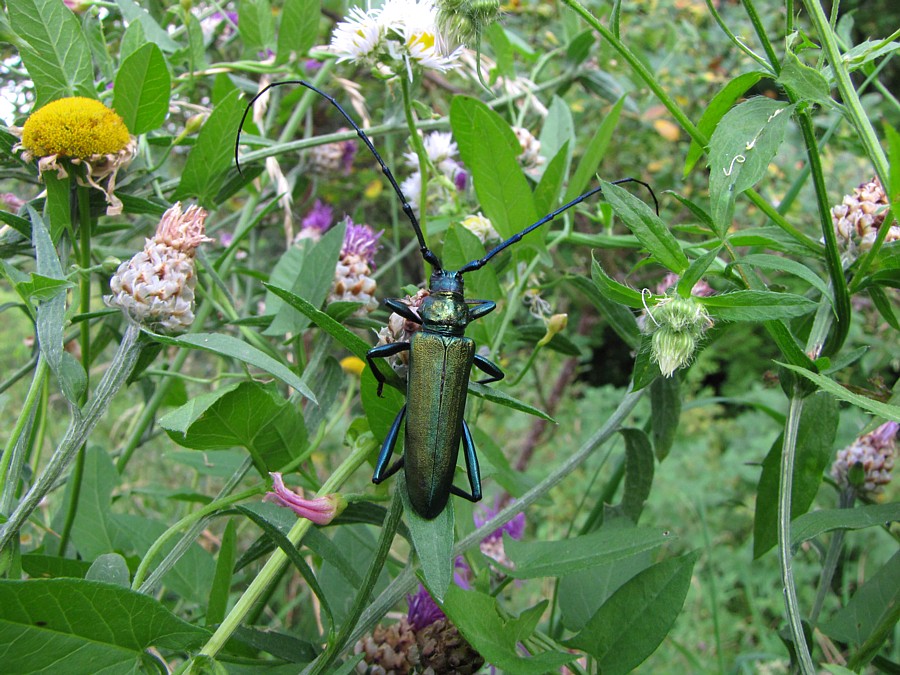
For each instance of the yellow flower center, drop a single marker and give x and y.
(426, 40)
(74, 127)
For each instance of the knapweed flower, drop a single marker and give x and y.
(423, 641)
(156, 287)
(400, 329)
(859, 217)
(492, 545)
(865, 465)
(316, 222)
(352, 276)
(320, 510)
(481, 227)
(331, 158)
(397, 36)
(80, 131)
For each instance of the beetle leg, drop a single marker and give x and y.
(490, 368)
(481, 307)
(472, 469)
(381, 352)
(387, 449)
(397, 306)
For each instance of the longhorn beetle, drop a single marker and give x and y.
(440, 359)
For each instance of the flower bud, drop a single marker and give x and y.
(320, 510)
(678, 324)
(555, 324)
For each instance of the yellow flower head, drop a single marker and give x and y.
(74, 127)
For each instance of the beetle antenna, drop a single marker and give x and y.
(481, 262)
(426, 252)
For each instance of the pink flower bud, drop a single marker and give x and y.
(320, 510)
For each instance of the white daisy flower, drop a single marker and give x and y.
(360, 37)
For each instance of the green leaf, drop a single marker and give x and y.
(496, 636)
(256, 26)
(885, 410)
(815, 437)
(811, 525)
(232, 347)
(883, 305)
(41, 288)
(58, 56)
(499, 396)
(351, 341)
(665, 406)
(803, 81)
(696, 270)
(39, 566)
(595, 152)
(647, 227)
(308, 270)
(638, 472)
(558, 129)
(299, 28)
(381, 411)
(780, 263)
(740, 150)
(756, 305)
(249, 415)
(142, 89)
(489, 148)
(207, 165)
(620, 318)
(110, 568)
(613, 290)
(636, 619)
(878, 597)
(433, 542)
(90, 626)
(719, 105)
(558, 558)
(546, 194)
(132, 12)
(221, 585)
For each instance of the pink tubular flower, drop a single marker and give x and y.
(320, 510)
(317, 220)
(360, 241)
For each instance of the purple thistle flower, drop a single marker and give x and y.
(319, 218)
(312, 65)
(423, 610)
(361, 241)
(460, 179)
(514, 528)
(462, 573)
(884, 435)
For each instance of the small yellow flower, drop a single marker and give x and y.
(74, 127)
(352, 365)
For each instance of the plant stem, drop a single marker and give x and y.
(13, 454)
(831, 560)
(138, 583)
(83, 422)
(788, 452)
(273, 567)
(422, 156)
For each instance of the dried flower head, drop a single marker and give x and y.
(82, 132)
(865, 465)
(331, 158)
(400, 329)
(320, 510)
(156, 287)
(859, 217)
(352, 276)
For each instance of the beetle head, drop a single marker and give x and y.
(445, 309)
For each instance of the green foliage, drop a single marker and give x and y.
(133, 536)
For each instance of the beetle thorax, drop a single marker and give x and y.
(445, 309)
